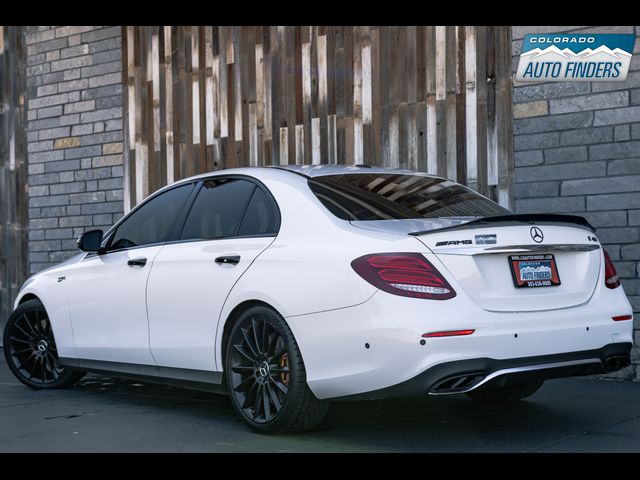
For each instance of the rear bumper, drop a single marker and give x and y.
(463, 376)
(378, 344)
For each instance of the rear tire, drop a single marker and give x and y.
(265, 375)
(30, 349)
(510, 393)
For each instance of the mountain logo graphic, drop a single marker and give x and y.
(538, 272)
(575, 57)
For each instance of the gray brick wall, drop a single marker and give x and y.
(74, 102)
(577, 150)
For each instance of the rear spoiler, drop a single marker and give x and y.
(516, 219)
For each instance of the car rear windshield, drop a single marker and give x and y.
(385, 196)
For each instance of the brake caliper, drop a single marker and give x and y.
(284, 362)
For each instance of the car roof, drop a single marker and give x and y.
(323, 170)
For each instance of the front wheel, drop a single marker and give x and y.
(265, 375)
(509, 393)
(30, 349)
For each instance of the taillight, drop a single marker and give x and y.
(405, 274)
(611, 279)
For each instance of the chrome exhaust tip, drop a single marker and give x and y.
(616, 362)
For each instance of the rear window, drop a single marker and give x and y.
(374, 196)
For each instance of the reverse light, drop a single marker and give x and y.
(611, 279)
(404, 274)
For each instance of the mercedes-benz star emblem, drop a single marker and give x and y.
(536, 234)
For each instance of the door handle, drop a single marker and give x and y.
(137, 262)
(229, 259)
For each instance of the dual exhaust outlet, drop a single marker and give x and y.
(465, 382)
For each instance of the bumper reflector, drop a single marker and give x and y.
(619, 318)
(448, 333)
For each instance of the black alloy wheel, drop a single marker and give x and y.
(259, 370)
(30, 349)
(265, 375)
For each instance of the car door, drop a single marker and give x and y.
(107, 291)
(231, 221)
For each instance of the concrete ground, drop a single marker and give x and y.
(104, 414)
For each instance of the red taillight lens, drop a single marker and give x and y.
(611, 279)
(448, 333)
(405, 274)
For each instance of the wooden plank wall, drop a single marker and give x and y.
(13, 169)
(202, 98)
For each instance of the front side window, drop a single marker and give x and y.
(386, 196)
(218, 209)
(154, 222)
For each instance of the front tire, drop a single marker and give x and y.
(265, 375)
(30, 349)
(509, 393)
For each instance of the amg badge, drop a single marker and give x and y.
(453, 242)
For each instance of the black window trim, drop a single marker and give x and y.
(258, 184)
(244, 212)
(112, 231)
(186, 209)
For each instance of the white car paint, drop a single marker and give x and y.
(186, 291)
(106, 306)
(185, 299)
(393, 325)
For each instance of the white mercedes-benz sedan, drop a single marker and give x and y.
(289, 287)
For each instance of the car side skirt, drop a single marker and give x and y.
(204, 380)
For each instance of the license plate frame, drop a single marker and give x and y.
(535, 266)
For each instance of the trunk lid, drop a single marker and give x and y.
(482, 256)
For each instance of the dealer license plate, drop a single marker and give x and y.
(530, 271)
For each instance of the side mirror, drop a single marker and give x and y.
(90, 241)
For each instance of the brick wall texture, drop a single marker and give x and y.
(577, 151)
(74, 100)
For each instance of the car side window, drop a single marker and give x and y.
(261, 216)
(153, 222)
(218, 209)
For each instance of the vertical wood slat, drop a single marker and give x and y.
(481, 108)
(451, 167)
(492, 134)
(307, 111)
(129, 190)
(155, 105)
(461, 121)
(375, 138)
(14, 200)
(168, 102)
(441, 99)
(210, 104)
(141, 159)
(432, 121)
(471, 107)
(414, 97)
(322, 111)
(503, 116)
(357, 97)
